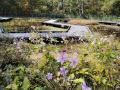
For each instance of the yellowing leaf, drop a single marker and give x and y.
(80, 80)
(26, 84)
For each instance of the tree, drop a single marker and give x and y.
(111, 7)
(81, 8)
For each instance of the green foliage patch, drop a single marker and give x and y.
(92, 65)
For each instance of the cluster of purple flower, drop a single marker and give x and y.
(63, 71)
(74, 62)
(85, 87)
(49, 76)
(62, 57)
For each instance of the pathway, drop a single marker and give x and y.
(73, 31)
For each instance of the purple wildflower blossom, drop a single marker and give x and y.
(49, 76)
(85, 87)
(74, 62)
(63, 71)
(62, 57)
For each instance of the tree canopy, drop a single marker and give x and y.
(65, 7)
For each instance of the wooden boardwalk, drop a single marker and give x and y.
(73, 31)
(110, 23)
(5, 19)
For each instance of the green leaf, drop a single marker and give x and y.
(84, 71)
(14, 87)
(71, 76)
(26, 84)
(80, 80)
(38, 88)
(16, 79)
(9, 86)
(78, 87)
(104, 80)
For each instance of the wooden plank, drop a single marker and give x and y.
(110, 23)
(74, 31)
(5, 19)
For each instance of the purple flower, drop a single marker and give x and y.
(85, 87)
(74, 62)
(49, 76)
(63, 71)
(62, 57)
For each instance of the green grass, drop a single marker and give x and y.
(51, 28)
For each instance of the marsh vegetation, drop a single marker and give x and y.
(70, 65)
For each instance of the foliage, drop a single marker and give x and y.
(88, 65)
(82, 8)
